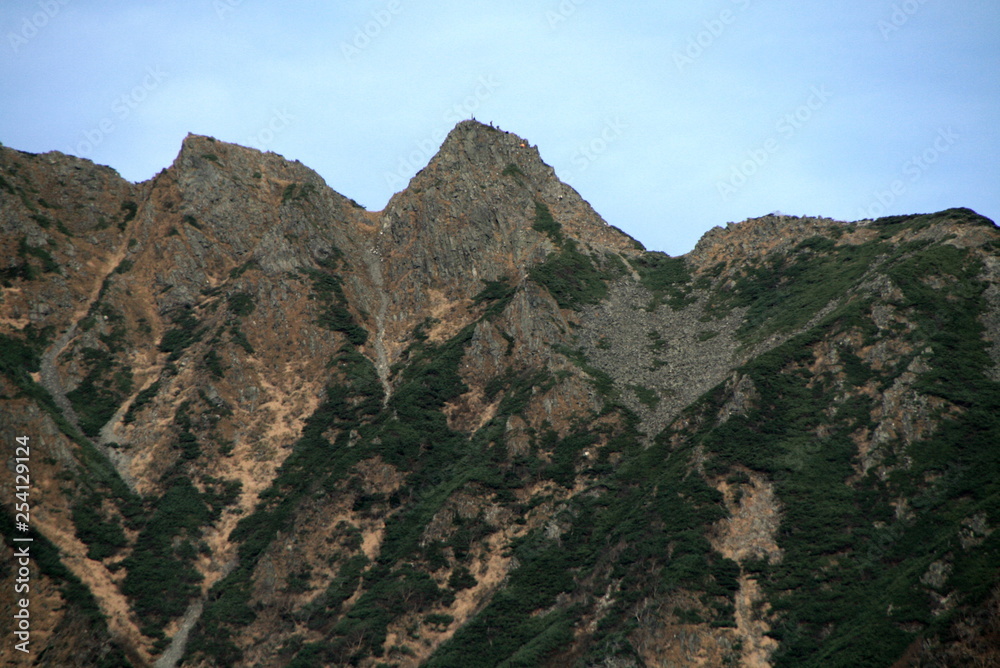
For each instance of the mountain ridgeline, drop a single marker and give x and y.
(482, 427)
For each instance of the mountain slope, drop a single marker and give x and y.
(483, 427)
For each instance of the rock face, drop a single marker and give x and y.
(482, 427)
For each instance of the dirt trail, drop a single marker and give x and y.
(49, 375)
(373, 262)
(173, 654)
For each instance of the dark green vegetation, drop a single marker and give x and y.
(297, 192)
(141, 399)
(186, 331)
(849, 557)
(104, 538)
(129, 209)
(241, 303)
(574, 278)
(243, 268)
(108, 381)
(546, 224)
(328, 289)
(666, 277)
(21, 357)
(512, 170)
(784, 291)
(160, 577)
(26, 270)
(571, 277)
(497, 294)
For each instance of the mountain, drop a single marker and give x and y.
(482, 427)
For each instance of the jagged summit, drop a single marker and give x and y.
(484, 145)
(494, 179)
(475, 154)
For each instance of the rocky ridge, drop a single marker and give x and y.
(484, 427)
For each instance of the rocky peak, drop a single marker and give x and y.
(477, 200)
(471, 143)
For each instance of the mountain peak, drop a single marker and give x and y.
(487, 147)
(483, 189)
(479, 131)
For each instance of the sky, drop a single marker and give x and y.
(669, 118)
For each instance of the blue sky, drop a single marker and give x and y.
(667, 120)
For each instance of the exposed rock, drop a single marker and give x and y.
(484, 427)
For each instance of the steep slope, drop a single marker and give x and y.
(482, 427)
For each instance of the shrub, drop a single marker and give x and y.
(570, 277)
(439, 621)
(666, 277)
(545, 223)
(512, 170)
(240, 338)
(161, 580)
(461, 578)
(130, 209)
(499, 293)
(49, 265)
(297, 192)
(141, 399)
(241, 303)
(103, 538)
(185, 333)
(336, 316)
(214, 364)
(101, 391)
(243, 268)
(646, 396)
